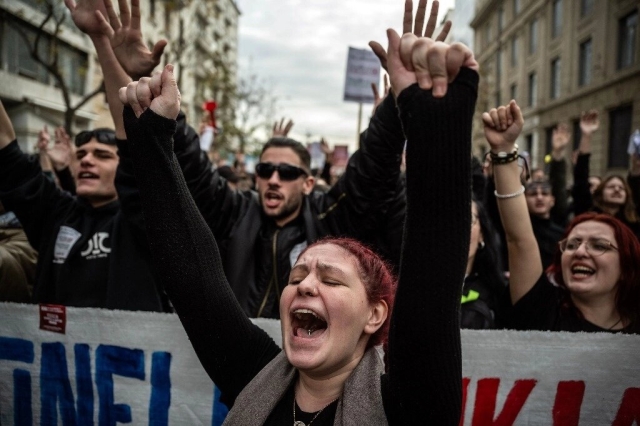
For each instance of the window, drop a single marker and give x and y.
(513, 91)
(528, 142)
(619, 133)
(533, 89)
(514, 51)
(18, 58)
(516, 7)
(499, 66)
(487, 33)
(555, 79)
(627, 29)
(533, 36)
(500, 20)
(73, 65)
(586, 7)
(584, 67)
(498, 100)
(556, 21)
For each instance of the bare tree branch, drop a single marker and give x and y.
(50, 64)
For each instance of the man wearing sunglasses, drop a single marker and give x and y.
(91, 247)
(261, 232)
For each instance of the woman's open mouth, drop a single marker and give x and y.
(306, 323)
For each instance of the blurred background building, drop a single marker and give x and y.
(557, 58)
(203, 43)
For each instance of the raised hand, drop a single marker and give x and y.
(324, 146)
(432, 64)
(559, 140)
(88, 16)
(589, 122)
(61, 152)
(43, 140)
(159, 93)
(502, 126)
(281, 130)
(415, 27)
(377, 98)
(126, 40)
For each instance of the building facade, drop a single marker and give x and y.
(27, 90)
(203, 46)
(557, 58)
(202, 36)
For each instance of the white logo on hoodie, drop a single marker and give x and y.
(95, 246)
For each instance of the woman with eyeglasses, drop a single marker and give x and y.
(593, 283)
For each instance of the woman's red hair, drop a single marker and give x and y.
(375, 273)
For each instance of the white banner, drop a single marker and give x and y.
(363, 68)
(113, 367)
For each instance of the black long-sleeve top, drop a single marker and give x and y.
(423, 383)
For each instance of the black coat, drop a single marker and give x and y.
(356, 206)
(119, 275)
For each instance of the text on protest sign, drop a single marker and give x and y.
(116, 367)
(363, 68)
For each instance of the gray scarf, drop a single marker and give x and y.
(360, 403)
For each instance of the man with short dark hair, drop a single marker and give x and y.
(261, 233)
(92, 250)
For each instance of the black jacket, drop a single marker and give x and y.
(548, 234)
(582, 198)
(88, 257)
(355, 206)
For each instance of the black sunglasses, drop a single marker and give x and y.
(285, 171)
(102, 136)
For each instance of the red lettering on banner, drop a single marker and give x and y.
(629, 411)
(465, 385)
(486, 394)
(566, 408)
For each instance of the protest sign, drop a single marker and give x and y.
(363, 68)
(112, 367)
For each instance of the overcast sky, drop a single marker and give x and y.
(300, 48)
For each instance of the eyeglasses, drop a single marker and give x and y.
(595, 247)
(286, 172)
(535, 193)
(102, 136)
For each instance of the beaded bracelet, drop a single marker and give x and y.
(504, 157)
(512, 195)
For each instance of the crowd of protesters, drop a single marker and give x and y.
(78, 204)
(93, 223)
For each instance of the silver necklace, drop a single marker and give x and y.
(301, 423)
(617, 322)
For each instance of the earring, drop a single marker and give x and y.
(480, 245)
